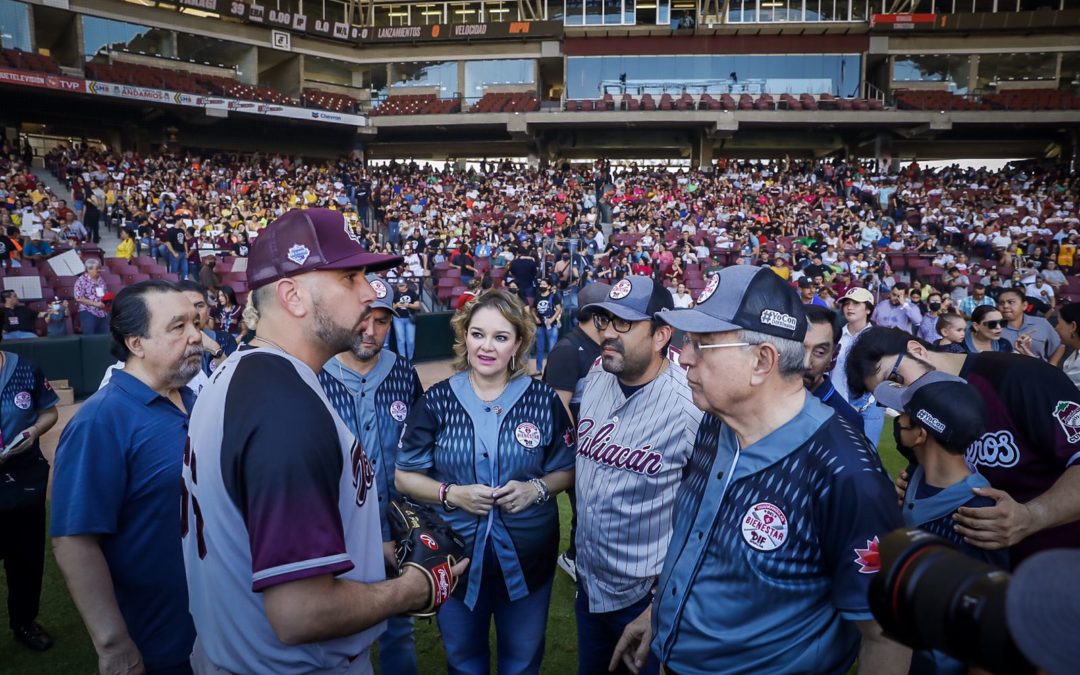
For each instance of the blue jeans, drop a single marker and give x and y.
(873, 418)
(405, 330)
(177, 264)
(19, 335)
(520, 627)
(545, 342)
(599, 633)
(397, 653)
(93, 325)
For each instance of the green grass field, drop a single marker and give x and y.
(74, 655)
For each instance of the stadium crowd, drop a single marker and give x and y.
(965, 273)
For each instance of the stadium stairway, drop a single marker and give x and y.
(109, 238)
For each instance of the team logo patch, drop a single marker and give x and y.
(23, 400)
(868, 559)
(1067, 413)
(48, 387)
(771, 317)
(929, 420)
(527, 434)
(765, 527)
(380, 288)
(429, 542)
(568, 437)
(709, 289)
(620, 290)
(399, 411)
(298, 254)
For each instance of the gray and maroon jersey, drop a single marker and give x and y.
(630, 458)
(276, 489)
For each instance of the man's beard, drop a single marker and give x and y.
(188, 367)
(364, 352)
(335, 338)
(622, 366)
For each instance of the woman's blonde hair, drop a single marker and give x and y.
(513, 310)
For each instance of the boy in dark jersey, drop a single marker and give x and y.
(941, 415)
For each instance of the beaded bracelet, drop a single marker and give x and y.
(542, 494)
(444, 489)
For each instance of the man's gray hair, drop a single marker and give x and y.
(792, 354)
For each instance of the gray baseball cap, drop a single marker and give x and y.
(744, 297)
(592, 294)
(634, 298)
(384, 295)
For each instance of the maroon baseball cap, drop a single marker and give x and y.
(305, 240)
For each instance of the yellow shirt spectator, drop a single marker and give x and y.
(126, 249)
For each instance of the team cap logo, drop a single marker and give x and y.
(709, 289)
(380, 292)
(620, 290)
(298, 254)
(527, 434)
(23, 400)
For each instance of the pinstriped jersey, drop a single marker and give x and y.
(374, 406)
(276, 489)
(630, 460)
(773, 549)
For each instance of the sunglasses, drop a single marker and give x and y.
(993, 325)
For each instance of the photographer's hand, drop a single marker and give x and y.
(993, 527)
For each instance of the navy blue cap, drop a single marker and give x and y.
(744, 297)
(950, 409)
(634, 298)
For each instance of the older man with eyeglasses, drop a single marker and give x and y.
(776, 527)
(635, 432)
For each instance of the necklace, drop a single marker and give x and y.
(476, 390)
(271, 343)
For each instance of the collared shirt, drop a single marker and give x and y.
(928, 329)
(374, 406)
(91, 289)
(773, 550)
(525, 433)
(838, 374)
(630, 460)
(117, 474)
(1044, 339)
(905, 317)
(968, 304)
(24, 393)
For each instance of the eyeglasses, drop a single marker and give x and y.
(992, 325)
(694, 345)
(602, 321)
(903, 428)
(894, 374)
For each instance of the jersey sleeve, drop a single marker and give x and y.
(283, 473)
(416, 449)
(89, 477)
(1046, 409)
(858, 511)
(560, 453)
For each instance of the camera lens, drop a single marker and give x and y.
(928, 595)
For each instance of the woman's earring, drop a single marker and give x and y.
(513, 362)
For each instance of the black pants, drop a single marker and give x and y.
(22, 547)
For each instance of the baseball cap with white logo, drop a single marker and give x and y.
(305, 240)
(950, 409)
(384, 295)
(744, 297)
(634, 298)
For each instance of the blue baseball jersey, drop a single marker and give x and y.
(773, 549)
(525, 433)
(374, 406)
(24, 393)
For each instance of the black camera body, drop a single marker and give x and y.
(928, 595)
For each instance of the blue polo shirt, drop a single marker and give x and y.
(117, 475)
(773, 549)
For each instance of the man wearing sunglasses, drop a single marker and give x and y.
(1030, 451)
(635, 433)
(776, 527)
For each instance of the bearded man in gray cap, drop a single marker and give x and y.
(635, 433)
(776, 526)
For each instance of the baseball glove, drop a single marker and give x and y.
(426, 542)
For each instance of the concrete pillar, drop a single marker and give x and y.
(705, 151)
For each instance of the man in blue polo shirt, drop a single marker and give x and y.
(117, 490)
(777, 523)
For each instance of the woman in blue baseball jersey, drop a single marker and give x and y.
(492, 446)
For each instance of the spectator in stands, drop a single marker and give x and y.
(90, 293)
(898, 311)
(56, 316)
(856, 306)
(928, 327)
(406, 305)
(977, 298)
(9, 250)
(546, 311)
(19, 320)
(1041, 291)
(74, 231)
(952, 329)
(524, 270)
(176, 250)
(471, 292)
(91, 215)
(116, 485)
(36, 249)
(1068, 329)
(984, 333)
(682, 298)
(209, 278)
(126, 248)
(28, 404)
(465, 264)
(1030, 335)
(227, 312)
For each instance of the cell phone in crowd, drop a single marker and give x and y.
(15, 442)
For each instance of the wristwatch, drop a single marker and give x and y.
(219, 353)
